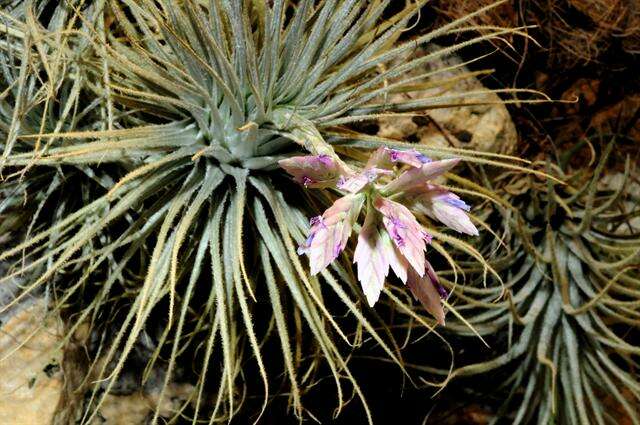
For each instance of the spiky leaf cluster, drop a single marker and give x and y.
(565, 318)
(140, 141)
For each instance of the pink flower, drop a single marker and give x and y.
(446, 207)
(330, 232)
(318, 171)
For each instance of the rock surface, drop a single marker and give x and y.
(32, 378)
(31, 381)
(485, 127)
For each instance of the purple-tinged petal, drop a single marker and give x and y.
(316, 223)
(405, 231)
(416, 177)
(317, 171)
(387, 157)
(411, 157)
(329, 234)
(398, 263)
(423, 158)
(433, 277)
(447, 208)
(455, 201)
(424, 289)
(372, 260)
(454, 218)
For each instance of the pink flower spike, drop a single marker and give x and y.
(415, 177)
(318, 171)
(425, 290)
(329, 234)
(372, 259)
(405, 231)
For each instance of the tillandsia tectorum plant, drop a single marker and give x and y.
(142, 143)
(566, 326)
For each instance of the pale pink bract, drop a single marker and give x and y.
(414, 177)
(319, 171)
(446, 207)
(407, 234)
(330, 232)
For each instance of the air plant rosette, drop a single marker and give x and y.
(143, 143)
(563, 325)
